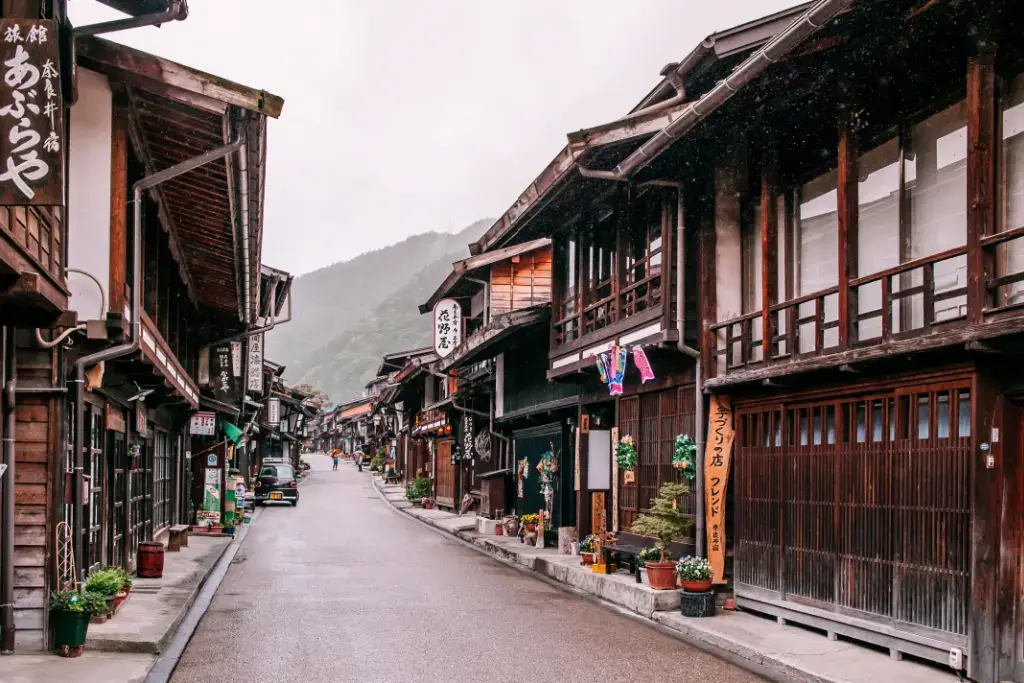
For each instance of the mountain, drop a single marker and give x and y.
(347, 315)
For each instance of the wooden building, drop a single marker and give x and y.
(149, 291)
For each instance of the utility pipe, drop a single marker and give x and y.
(130, 346)
(774, 50)
(243, 173)
(7, 627)
(177, 10)
(78, 328)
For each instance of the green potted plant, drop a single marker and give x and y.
(694, 574)
(417, 490)
(588, 548)
(530, 521)
(108, 583)
(665, 522)
(70, 612)
(651, 554)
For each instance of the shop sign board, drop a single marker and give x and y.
(273, 411)
(717, 458)
(31, 114)
(447, 326)
(211, 496)
(203, 424)
(254, 380)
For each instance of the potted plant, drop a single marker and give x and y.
(694, 574)
(530, 521)
(665, 522)
(625, 456)
(108, 583)
(588, 548)
(70, 612)
(417, 490)
(126, 581)
(651, 554)
(428, 503)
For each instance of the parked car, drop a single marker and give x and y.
(277, 483)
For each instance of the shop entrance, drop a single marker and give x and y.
(444, 480)
(859, 506)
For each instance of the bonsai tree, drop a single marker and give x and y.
(665, 522)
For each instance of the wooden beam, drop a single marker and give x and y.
(986, 502)
(113, 57)
(981, 180)
(627, 129)
(708, 306)
(847, 200)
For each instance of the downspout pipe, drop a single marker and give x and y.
(774, 50)
(243, 174)
(130, 346)
(7, 628)
(177, 10)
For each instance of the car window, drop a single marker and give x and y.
(279, 471)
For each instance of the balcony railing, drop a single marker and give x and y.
(913, 299)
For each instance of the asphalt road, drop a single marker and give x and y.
(341, 588)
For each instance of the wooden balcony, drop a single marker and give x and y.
(917, 306)
(33, 289)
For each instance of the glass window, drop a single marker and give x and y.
(728, 244)
(1010, 255)
(816, 239)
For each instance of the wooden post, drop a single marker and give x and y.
(118, 211)
(981, 180)
(708, 306)
(582, 493)
(847, 200)
(769, 256)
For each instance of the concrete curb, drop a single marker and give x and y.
(733, 653)
(178, 637)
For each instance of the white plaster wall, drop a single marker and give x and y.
(89, 193)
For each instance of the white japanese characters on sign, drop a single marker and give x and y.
(273, 411)
(31, 114)
(255, 368)
(203, 424)
(447, 326)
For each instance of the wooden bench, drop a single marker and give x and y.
(614, 554)
(177, 537)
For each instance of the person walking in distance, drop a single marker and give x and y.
(334, 458)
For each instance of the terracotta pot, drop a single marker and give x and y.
(661, 575)
(531, 527)
(696, 586)
(587, 558)
(118, 599)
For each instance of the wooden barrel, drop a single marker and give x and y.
(151, 560)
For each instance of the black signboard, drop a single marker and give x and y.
(226, 385)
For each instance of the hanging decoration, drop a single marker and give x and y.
(642, 364)
(612, 367)
(685, 456)
(522, 474)
(548, 467)
(625, 454)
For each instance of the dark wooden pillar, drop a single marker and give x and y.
(981, 180)
(769, 254)
(847, 200)
(583, 516)
(708, 302)
(118, 211)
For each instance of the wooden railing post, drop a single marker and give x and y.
(847, 200)
(769, 257)
(981, 182)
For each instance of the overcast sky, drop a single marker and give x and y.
(405, 116)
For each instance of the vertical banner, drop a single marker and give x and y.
(717, 457)
(615, 482)
(254, 379)
(31, 114)
(211, 496)
(577, 474)
(225, 380)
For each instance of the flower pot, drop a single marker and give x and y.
(98, 619)
(531, 527)
(661, 575)
(696, 586)
(111, 605)
(587, 558)
(118, 599)
(69, 630)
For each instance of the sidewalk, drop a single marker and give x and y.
(788, 653)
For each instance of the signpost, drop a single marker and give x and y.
(31, 114)
(273, 411)
(447, 326)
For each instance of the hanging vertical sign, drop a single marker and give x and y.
(717, 457)
(222, 374)
(273, 411)
(236, 359)
(141, 420)
(254, 381)
(447, 326)
(31, 114)
(468, 443)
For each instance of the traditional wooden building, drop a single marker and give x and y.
(151, 286)
(848, 192)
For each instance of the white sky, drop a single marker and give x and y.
(404, 116)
